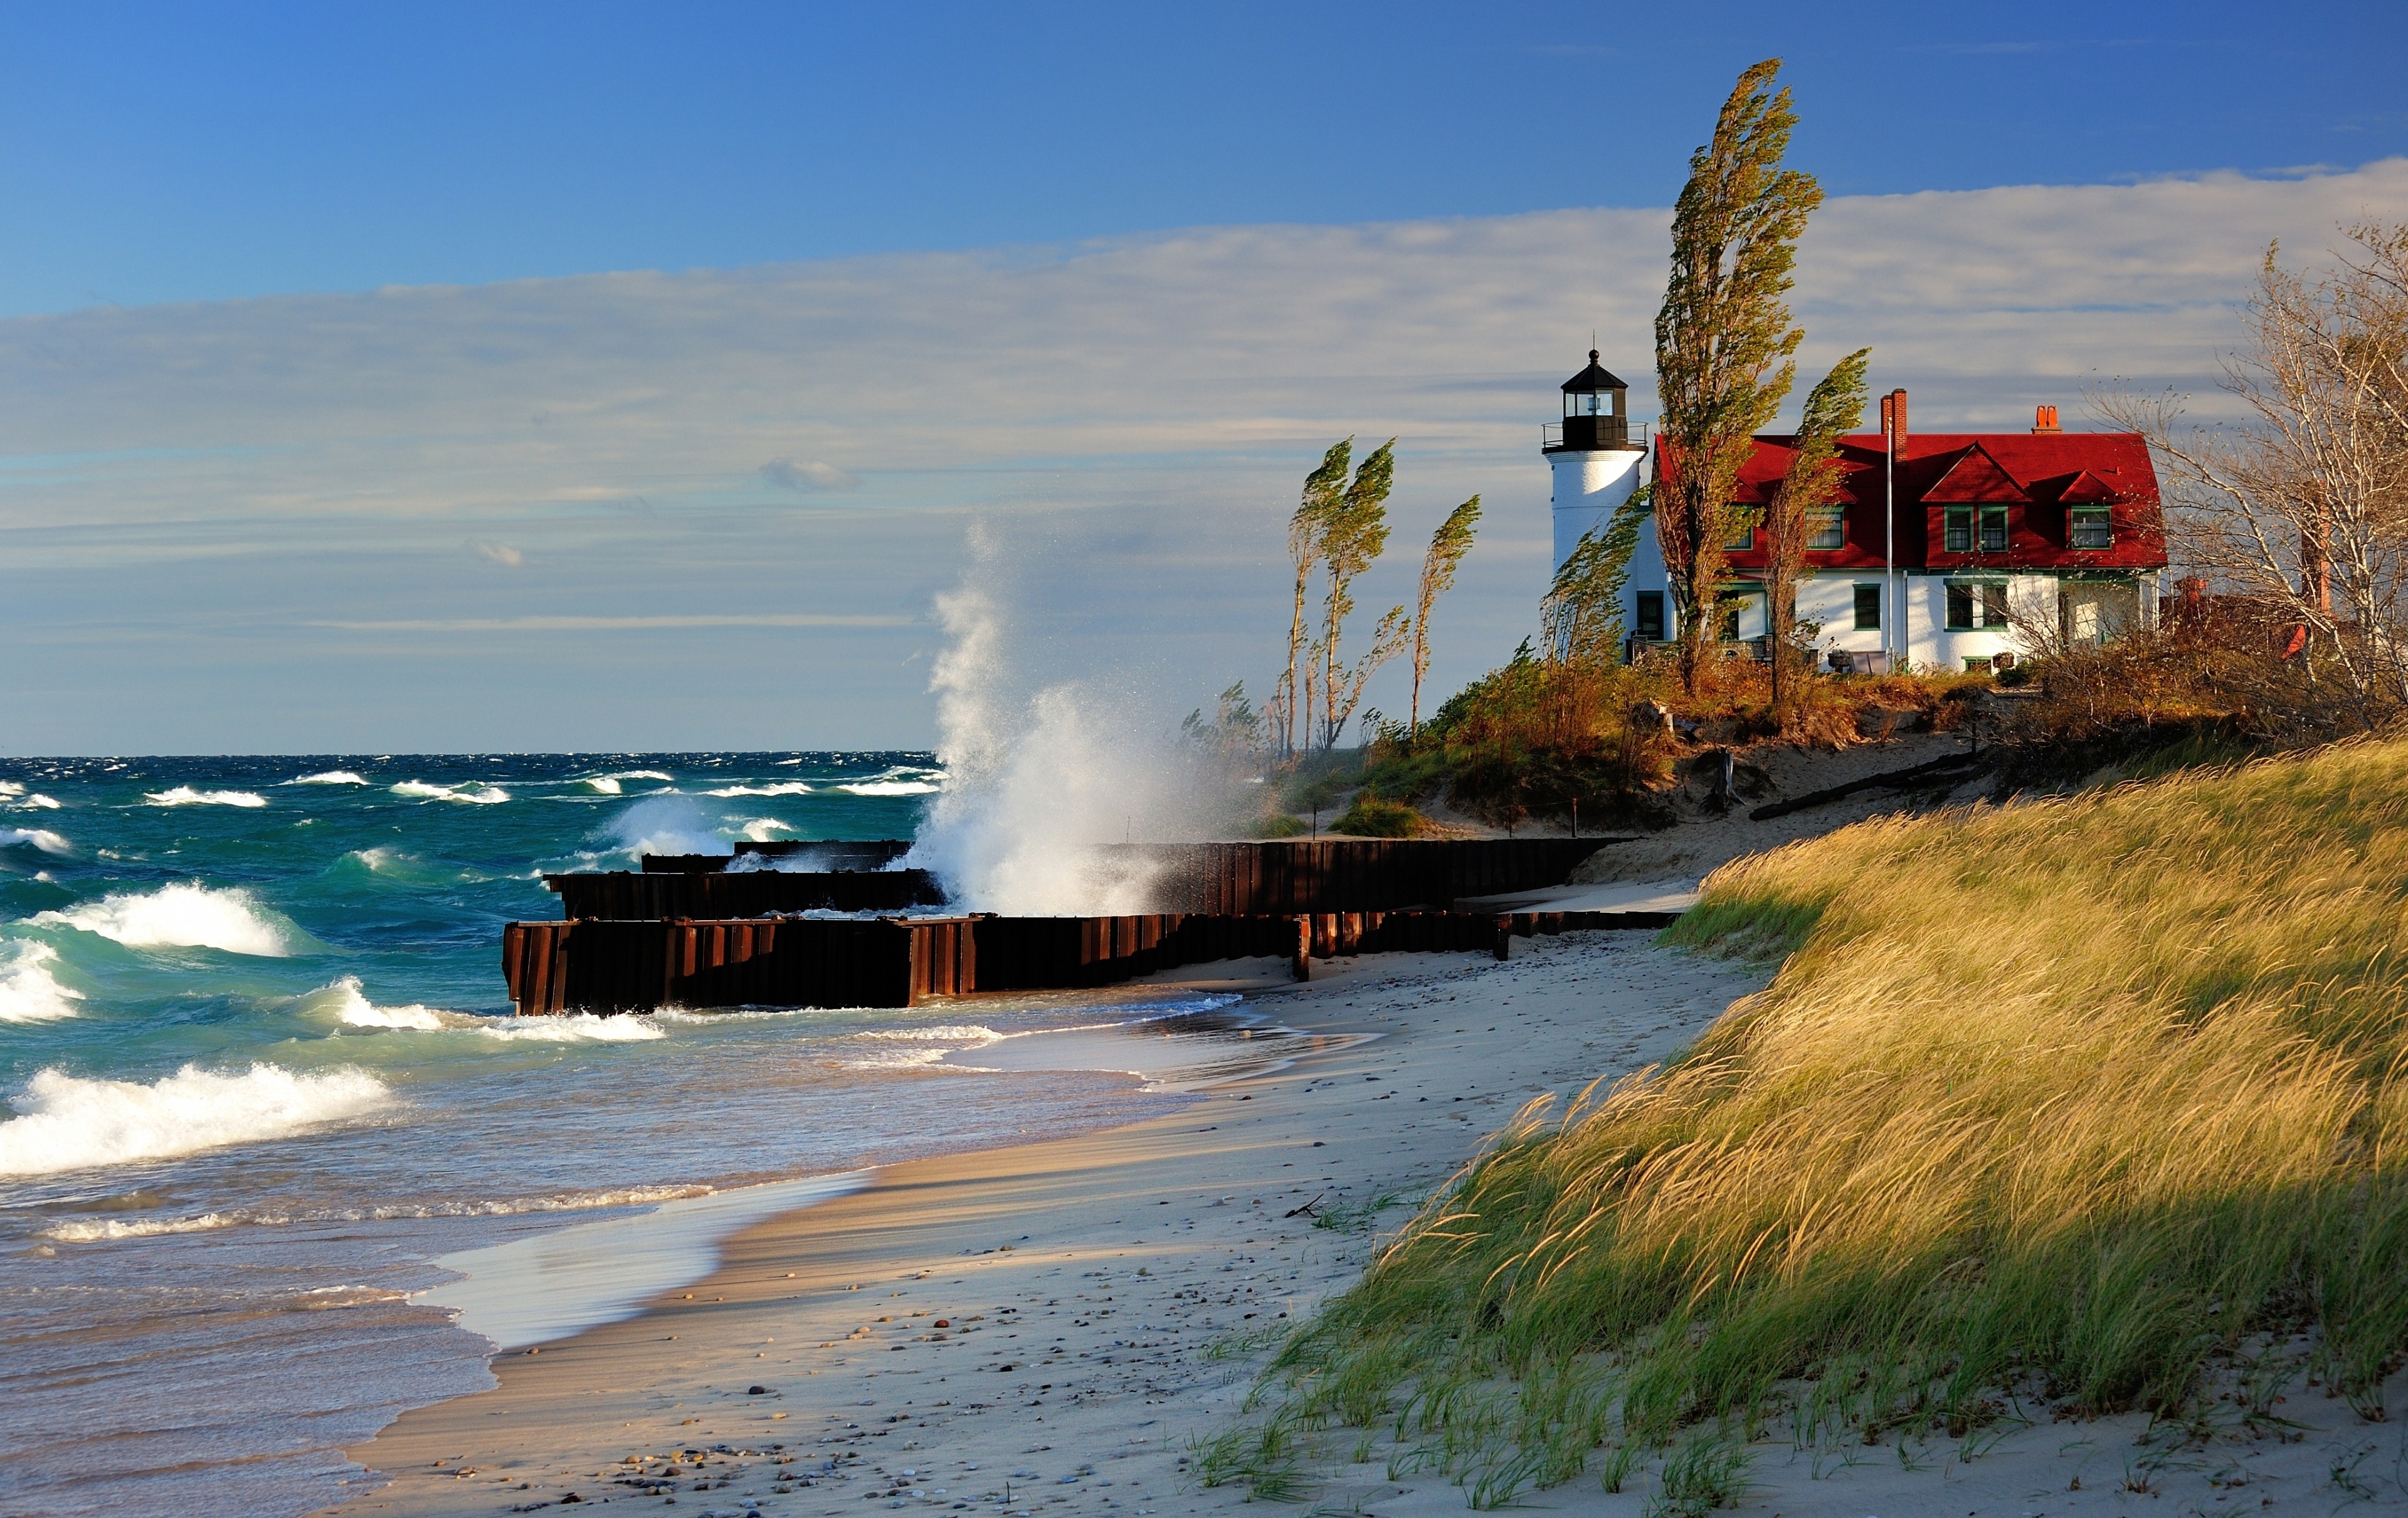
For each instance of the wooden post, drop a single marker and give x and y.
(1303, 963)
(1504, 939)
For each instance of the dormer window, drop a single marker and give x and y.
(2090, 527)
(1827, 528)
(1959, 530)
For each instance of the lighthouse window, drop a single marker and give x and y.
(1587, 403)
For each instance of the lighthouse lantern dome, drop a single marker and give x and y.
(1597, 412)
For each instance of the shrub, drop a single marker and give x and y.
(1371, 817)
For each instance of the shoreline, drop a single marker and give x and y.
(1137, 1250)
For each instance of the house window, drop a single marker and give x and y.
(1743, 535)
(1994, 529)
(1958, 535)
(1976, 603)
(1869, 599)
(1650, 621)
(2091, 529)
(1827, 527)
(1732, 608)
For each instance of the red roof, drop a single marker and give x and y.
(2038, 477)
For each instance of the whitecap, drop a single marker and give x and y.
(67, 1123)
(187, 796)
(782, 788)
(608, 784)
(890, 788)
(187, 914)
(41, 838)
(761, 830)
(639, 774)
(28, 991)
(11, 787)
(467, 790)
(38, 802)
(331, 777)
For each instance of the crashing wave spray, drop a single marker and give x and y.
(1039, 786)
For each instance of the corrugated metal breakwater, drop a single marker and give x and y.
(605, 965)
(694, 931)
(825, 855)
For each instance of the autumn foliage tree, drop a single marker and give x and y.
(1447, 547)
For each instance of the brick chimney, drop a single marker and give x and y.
(2044, 419)
(1893, 419)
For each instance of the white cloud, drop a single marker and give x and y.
(502, 554)
(809, 475)
(1136, 412)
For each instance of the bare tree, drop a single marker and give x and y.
(1723, 338)
(1448, 544)
(1834, 408)
(2303, 510)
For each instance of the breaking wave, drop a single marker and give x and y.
(65, 1122)
(41, 838)
(331, 777)
(187, 914)
(28, 992)
(467, 790)
(37, 803)
(83, 1231)
(346, 1002)
(187, 796)
(891, 787)
(780, 787)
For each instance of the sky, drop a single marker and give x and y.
(394, 378)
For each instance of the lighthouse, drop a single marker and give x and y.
(1597, 462)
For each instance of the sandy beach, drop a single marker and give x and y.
(1053, 1326)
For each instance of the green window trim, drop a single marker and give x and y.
(1973, 606)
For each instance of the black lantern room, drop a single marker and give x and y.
(1596, 411)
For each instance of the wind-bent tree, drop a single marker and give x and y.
(1834, 408)
(1447, 547)
(1324, 490)
(1581, 619)
(1354, 533)
(1723, 338)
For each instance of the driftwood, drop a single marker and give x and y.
(1946, 765)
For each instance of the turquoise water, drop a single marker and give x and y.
(254, 1039)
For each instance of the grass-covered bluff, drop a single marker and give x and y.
(2089, 1104)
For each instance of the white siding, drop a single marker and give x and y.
(1588, 485)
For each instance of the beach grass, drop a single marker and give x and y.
(2095, 1104)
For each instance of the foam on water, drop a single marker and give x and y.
(467, 790)
(67, 1123)
(891, 787)
(93, 1231)
(532, 1290)
(781, 788)
(187, 796)
(187, 914)
(571, 1028)
(37, 803)
(41, 838)
(28, 991)
(331, 777)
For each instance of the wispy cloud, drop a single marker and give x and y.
(502, 554)
(1137, 410)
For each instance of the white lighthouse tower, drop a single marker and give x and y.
(1596, 464)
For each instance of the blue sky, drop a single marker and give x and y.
(424, 376)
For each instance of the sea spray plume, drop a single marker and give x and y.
(662, 825)
(1038, 787)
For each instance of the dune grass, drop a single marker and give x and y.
(2084, 1103)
